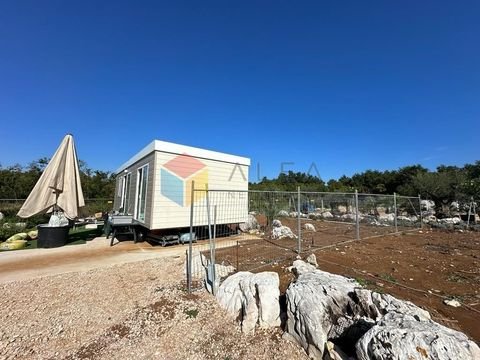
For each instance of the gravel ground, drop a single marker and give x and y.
(134, 310)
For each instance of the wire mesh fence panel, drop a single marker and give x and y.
(387, 214)
(326, 218)
(409, 212)
(377, 215)
(238, 231)
(251, 230)
(93, 209)
(215, 222)
(275, 214)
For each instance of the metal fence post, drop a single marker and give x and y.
(237, 255)
(212, 251)
(469, 212)
(420, 208)
(299, 225)
(210, 239)
(395, 211)
(474, 212)
(189, 259)
(357, 217)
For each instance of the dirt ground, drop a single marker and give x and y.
(97, 253)
(422, 266)
(138, 310)
(253, 254)
(101, 307)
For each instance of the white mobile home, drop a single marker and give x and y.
(155, 185)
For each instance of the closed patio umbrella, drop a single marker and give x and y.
(58, 186)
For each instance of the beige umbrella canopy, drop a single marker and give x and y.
(59, 184)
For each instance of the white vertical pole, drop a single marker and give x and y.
(209, 221)
(395, 211)
(189, 261)
(298, 221)
(210, 238)
(474, 212)
(214, 277)
(420, 206)
(469, 212)
(357, 217)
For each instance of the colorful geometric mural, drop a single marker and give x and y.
(176, 178)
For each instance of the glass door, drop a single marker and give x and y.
(141, 198)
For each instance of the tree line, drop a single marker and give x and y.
(444, 184)
(17, 181)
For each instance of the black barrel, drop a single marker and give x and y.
(52, 236)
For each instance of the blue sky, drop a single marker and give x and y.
(349, 86)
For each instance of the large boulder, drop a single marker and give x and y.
(323, 307)
(250, 224)
(451, 221)
(295, 214)
(253, 299)
(276, 223)
(283, 213)
(455, 205)
(427, 205)
(407, 219)
(375, 305)
(387, 218)
(455, 208)
(327, 215)
(282, 232)
(430, 219)
(301, 267)
(342, 209)
(348, 217)
(403, 336)
(315, 215)
(309, 227)
(314, 302)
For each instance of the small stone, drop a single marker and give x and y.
(452, 302)
(312, 260)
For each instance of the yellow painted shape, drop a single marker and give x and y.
(201, 182)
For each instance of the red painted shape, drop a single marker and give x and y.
(184, 165)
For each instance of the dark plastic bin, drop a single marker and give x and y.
(52, 236)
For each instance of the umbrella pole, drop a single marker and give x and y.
(55, 207)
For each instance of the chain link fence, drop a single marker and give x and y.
(11, 224)
(247, 230)
(10, 207)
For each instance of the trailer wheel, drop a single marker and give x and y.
(141, 235)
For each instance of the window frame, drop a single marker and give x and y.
(141, 187)
(126, 182)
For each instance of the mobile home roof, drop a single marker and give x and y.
(157, 145)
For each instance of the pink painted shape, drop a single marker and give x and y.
(184, 165)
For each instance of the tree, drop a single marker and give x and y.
(439, 186)
(16, 182)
